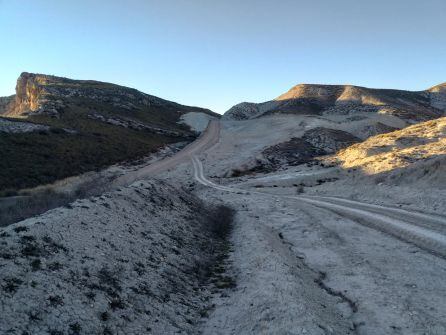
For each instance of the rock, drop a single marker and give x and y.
(329, 140)
(293, 152)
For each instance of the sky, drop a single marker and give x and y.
(216, 54)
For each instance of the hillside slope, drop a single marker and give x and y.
(38, 94)
(308, 99)
(134, 261)
(414, 153)
(87, 125)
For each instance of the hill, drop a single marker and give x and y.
(309, 99)
(414, 153)
(74, 126)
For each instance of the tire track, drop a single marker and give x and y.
(402, 224)
(207, 139)
(430, 221)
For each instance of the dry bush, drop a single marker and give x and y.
(220, 221)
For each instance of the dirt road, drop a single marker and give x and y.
(317, 264)
(424, 230)
(283, 244)
(206, 140)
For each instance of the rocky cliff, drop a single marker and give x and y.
(31, 96)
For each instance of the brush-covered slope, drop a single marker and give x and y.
(133, 261)
(83, 125)
(306, 99)
(415, 152)
(38, 94)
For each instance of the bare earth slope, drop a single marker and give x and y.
(322, 119)
(405, 167)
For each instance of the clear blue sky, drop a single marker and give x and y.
(218, 53)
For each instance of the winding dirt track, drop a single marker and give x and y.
(423, 230)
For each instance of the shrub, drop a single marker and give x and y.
(221, 221)
(35, 264)
(12, 284)
(300, 189)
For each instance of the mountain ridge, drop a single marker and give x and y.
(40, 93)
(317, 99)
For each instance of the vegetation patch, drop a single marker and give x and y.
(32, 159)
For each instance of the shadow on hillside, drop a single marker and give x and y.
(18, 208)
(407, 107)
(431, 171)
